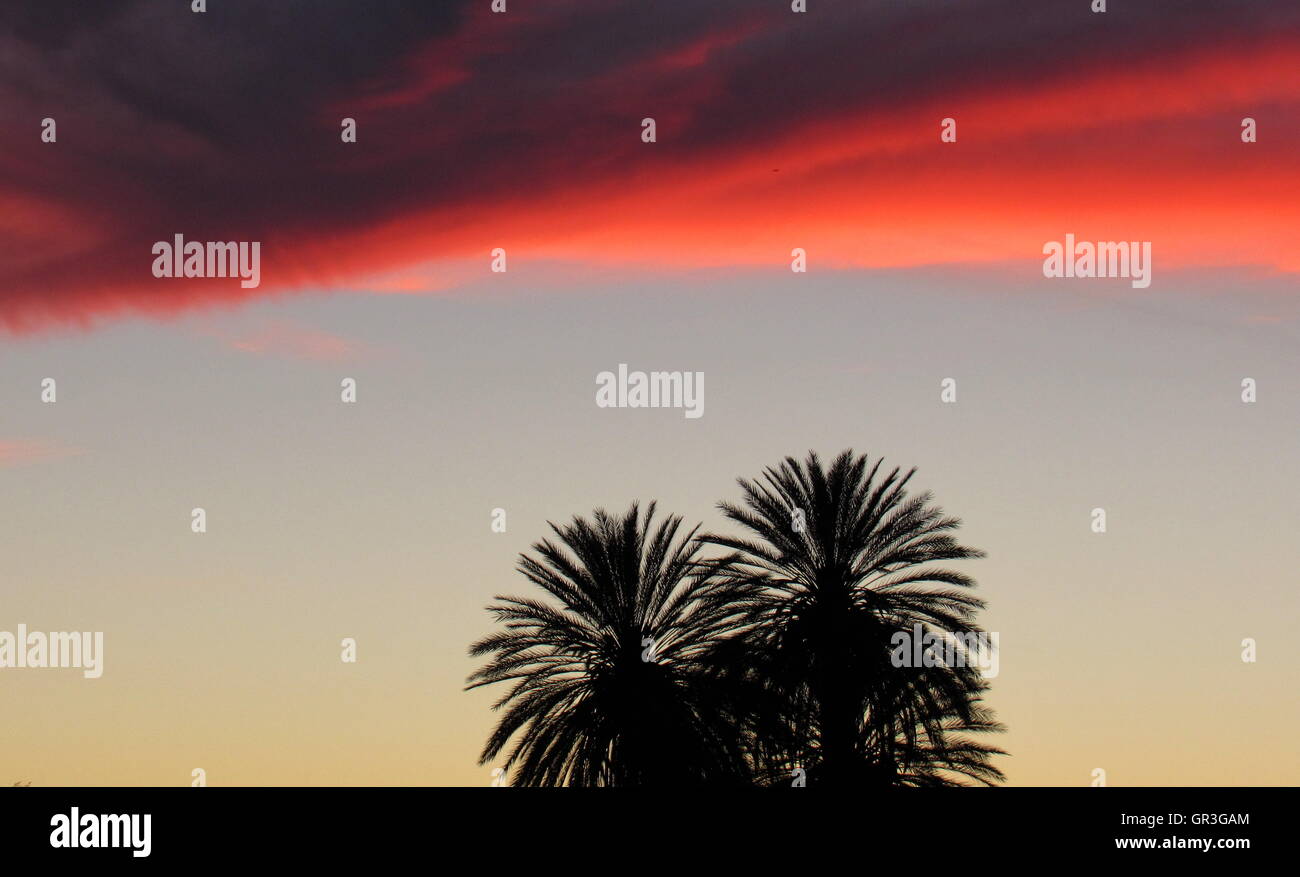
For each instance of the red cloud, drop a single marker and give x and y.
(285, 339)
(772, 134)
(14, 452)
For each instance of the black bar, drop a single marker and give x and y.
(621, 830)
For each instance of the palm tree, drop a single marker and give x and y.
(608, 684)
(837, 563)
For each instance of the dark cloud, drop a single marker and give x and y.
(225, 124)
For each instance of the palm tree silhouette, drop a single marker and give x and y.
(611, 686)
(837, 561)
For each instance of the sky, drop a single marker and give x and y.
(475, 390)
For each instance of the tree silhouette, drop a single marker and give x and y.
(654, 664)
(836, 563)
(610, 686)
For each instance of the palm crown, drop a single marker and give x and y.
(843, 560)
(608, 686)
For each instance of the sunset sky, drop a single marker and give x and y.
(523, 131)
